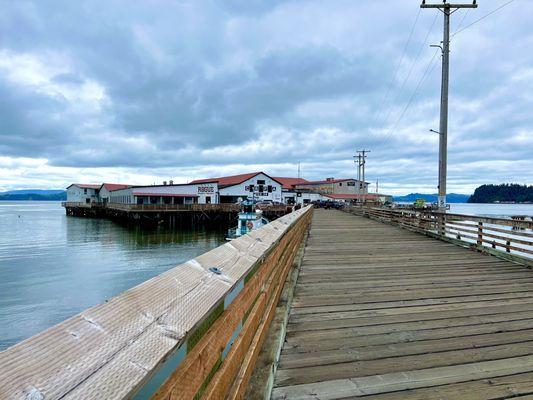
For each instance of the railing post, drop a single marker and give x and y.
(442, 225)
(480, 233)
(507, 244)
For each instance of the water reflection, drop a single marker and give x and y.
(53, 266)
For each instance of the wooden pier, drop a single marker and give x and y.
(377, 311)
(171, 215)
(380, 312)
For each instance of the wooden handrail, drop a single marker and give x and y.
(195, 329)
(484, 232)
(226, 207)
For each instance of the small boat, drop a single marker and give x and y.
(249, 219)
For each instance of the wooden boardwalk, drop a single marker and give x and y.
(383, 313)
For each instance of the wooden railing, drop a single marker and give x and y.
(76, 204)
(513, 237)
(173, 207)
(194, 331)
(224, 207)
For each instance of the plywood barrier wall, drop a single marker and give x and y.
(192, 332)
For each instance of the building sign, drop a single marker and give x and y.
(206, 189)
(260, 188)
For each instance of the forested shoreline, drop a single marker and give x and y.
(503, 193)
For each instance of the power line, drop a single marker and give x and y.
(461, 22)
(393, 78)
(483, 17)
(423, 45)
(447, 11)
(427, 72)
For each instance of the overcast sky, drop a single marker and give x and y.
(141, 92)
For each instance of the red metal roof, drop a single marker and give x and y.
(85, 185)
(114, 186)
(330, 181)
(224, 181)
(163, 194)
(288, 183)
(342, 196)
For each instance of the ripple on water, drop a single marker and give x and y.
(53, 266)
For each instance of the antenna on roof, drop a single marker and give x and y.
(298, 169)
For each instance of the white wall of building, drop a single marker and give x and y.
(301, 197)
(104, 194)
(348, 186)
(78, 194)
(198, 193)
(261, 186)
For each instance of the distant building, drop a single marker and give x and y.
(227, 189)
(292, 196)
(335, 186)
(83, 193)
(367, 197)
(204, 193)
(105, 190)
(258, 185)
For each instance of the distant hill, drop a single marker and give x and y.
(34, 191)
(34, 194)
(503, 193)
(432, 198)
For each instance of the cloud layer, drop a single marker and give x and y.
(185, 89)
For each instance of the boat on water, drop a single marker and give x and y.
(249, 219)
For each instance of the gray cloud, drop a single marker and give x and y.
(197, 87)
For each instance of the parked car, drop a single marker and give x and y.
(327, 204)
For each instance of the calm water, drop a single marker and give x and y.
(53, 266)
(495, 210)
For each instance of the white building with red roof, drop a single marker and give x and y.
(186, 193)
(83, 193)
(105, 190)
(225, 189)
(335, 186)
(257, 185)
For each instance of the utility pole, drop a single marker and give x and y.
(298, 169)
(447, 9)
(358, 162)
(362, 162)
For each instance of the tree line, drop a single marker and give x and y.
(505, 192)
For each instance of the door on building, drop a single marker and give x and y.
(207, 199)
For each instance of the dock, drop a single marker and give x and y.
(367, 302)
(383, 313)
(171, 215)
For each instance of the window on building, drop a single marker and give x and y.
(87, 201)
(85, 191)
(260, 181)
(269, 188)
(207, 199)
(340, 183)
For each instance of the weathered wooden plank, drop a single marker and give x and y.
(519, 386)
(405, 336)
(523, 298)
(401, 381)
(301, 312)
(369, 296)
(360, 352)
(378, 309)
(340, 370)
